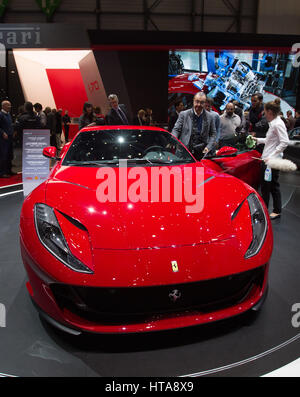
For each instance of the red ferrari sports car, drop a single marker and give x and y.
(99, 264)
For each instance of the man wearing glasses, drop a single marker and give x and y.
(195, 128)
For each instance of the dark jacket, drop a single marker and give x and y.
(138, 121)
(6, 124)
(6, 145)
(66, 119)
(58, 128)
(258, 122)
(113, 117)
(85, 120)
(172, 120)
(51, 122)
(297, 123)
(27, 121)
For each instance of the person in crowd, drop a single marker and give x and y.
(246, 122)
(48, 114)
(88, 117)
(149, 117)
(28, 120)
(140, 118)
(275, 143)
(277, 101)
(286, 122)
(98, 112)
(99, 116)
(51, 124)
(66, 121)
(297, 121)
(118, 114)
(179, 107)
(58, 128)
(20, 111)
(291, 119)
(230, 124)
(258, 124)
(41, 115)
(238, 109)
(47, 110)
(195, 127)
(19, 137)
(6, 140)
(209, 107)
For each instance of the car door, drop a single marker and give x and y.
(244, 165)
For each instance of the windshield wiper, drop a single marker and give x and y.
(159, 161)
(83, 163)
(133, 161)
(138, 160)
(104, 163)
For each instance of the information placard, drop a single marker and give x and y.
(35, 165)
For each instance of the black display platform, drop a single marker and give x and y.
(243, 346)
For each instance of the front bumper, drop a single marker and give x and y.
(83, 315)
(76, 332)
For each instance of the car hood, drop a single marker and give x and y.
(148, 225)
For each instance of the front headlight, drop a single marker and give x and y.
(259, 225)
(52, 238)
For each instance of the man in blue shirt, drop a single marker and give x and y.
(6, 140)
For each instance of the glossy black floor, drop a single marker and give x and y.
(243, 346)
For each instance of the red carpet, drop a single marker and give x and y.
(11, 181)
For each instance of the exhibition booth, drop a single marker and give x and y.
(145, 287)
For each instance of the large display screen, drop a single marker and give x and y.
(232, 75)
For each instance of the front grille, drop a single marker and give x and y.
(126, 305)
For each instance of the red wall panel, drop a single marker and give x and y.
(68, 90)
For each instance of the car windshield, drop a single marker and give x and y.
(149, 147)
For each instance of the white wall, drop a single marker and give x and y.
(34, 81)
(32, 67)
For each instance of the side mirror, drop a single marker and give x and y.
(50, 152)
(227, 151)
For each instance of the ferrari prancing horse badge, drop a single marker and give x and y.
(174, 266)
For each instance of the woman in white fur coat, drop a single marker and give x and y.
(275, 143)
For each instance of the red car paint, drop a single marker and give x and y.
(182, 85)
(134, 246)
